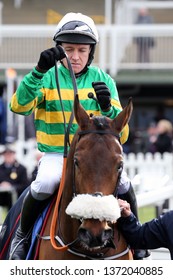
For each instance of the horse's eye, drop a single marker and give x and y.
(76, 162)
(120, 167)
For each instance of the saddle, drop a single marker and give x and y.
(11, 224)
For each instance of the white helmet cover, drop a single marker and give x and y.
(76, 28)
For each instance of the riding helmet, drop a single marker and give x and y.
(76, 28)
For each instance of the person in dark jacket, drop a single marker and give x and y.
(164, 140)
(151, 235)
(12, 175)
(144, 43)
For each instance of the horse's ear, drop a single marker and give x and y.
(124, 116)
(81, 115)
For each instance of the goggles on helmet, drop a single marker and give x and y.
(76, 28)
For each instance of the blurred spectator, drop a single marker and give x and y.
(151, 137)
(12, 174)
(162, 140)
(3, 119)
(128, 147)
(144, 43)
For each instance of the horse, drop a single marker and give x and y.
(88, 209)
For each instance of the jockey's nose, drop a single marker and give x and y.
(75, 55)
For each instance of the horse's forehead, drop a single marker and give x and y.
(99, 143)
(100, 122)
(99, 134)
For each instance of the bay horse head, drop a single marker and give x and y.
(96, 164)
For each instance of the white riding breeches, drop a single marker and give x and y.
(48, 176)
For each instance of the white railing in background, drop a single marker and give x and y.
(149, 172)
(151, 176)
(168, 4)
(156, 197)
(21, 46)
(129, 8)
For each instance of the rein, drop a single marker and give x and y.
(66, 144)
(53, 226)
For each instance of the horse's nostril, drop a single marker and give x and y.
(107, 237)
(103, 239)
(107, 234)
(98, 194)
(84, 236)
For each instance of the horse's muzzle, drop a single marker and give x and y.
(91, 240)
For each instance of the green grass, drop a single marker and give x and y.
(3, 214)
(146, 213)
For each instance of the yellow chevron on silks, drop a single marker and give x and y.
(51, 140)
(124, 134)
(66, 94)
(116, 104)
(16, 107)
(57, 117)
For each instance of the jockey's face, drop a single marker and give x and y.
(78, 55)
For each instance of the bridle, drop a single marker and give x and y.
(85, 132)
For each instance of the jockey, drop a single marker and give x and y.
(76, 36)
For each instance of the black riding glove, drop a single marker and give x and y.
(103, 95)
(48, 57)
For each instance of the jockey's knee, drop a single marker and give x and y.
(45, 186)
(40, 196)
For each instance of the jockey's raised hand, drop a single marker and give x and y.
(48, 57)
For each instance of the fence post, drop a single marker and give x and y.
(1, 7)
(108, 11)
(17, 3)
(10, 80)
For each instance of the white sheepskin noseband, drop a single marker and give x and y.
(87, 206)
